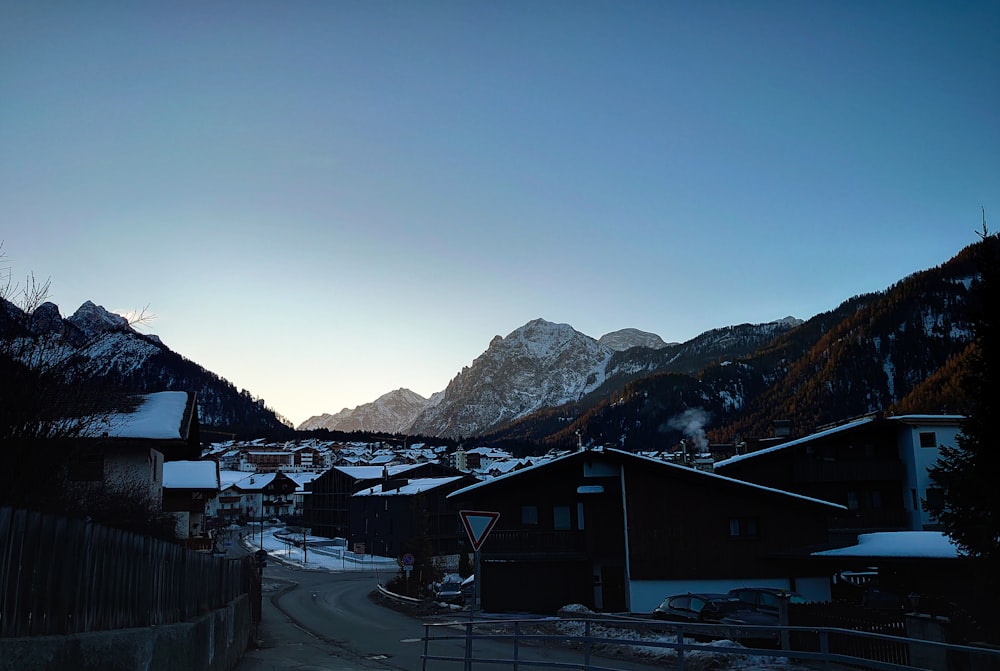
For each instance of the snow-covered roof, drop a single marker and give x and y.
(255, 481)
(925, 544)
(190, 475)
(662, 464)
(160, 415)
(798, 441)
(373, 472)
(411, 487)
(928, 419)
(227, 478)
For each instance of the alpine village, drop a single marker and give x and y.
(847, 460)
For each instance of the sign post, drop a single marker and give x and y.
(478, 524)
(407, 570)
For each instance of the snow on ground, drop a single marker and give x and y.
(646, 646)
(318, 555)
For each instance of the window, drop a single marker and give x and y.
(87, 467)
(579, 516)
(560, 518)
(852, 500)
(935, 497)
(742, 527)
(529, 515)
(928, 439)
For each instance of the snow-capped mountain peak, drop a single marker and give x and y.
(93, 319)
(624, 339)
(539, 365)
(392, 412)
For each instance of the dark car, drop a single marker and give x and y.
(456, 590)
(759, 607)
(763, 599)
(450, 591)
(702, 607)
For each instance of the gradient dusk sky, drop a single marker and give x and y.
(325, 201)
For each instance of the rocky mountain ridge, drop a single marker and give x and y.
(538, 366)
(98, 348)
(546, 383)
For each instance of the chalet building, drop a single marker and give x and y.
(308, 458)
(268, 495)
(187, 487)
(388, 518)
(230, 506)
(876, 467)
(326, 506)
(268, 461)
(618, 532)
(125, 451)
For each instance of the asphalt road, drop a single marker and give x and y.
(316, 620)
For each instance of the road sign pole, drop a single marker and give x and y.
(476, 580)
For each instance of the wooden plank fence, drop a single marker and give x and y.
(62, 576)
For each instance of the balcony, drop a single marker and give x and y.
(872, 519)
(525, 541)
(848, 471)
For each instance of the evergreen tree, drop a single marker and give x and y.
(969, 508)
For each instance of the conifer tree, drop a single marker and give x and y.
(969, 508)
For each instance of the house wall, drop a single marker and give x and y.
(917, 460)
(326, 507)
(680, 526)
(139, 471)
(694, 527)
(557, 527)
(386, 524)
(860, 469)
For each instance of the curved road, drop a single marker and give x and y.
(327, 620)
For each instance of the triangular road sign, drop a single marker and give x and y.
(478, 524)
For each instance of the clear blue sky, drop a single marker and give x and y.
(325, 201)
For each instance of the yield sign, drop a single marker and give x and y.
(478, 524)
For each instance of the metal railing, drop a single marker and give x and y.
(590, 644)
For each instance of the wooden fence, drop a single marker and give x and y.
(63, 576)
(855, 618)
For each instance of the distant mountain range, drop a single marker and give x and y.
(547, 383)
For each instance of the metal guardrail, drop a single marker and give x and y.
(676, 642)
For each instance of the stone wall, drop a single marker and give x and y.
(213, 642)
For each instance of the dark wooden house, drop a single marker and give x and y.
(397, 515)
(875, 467)
(618, 532)
(326, 508)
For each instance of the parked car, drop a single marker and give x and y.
(455, 590)
(701, 607)
(758, 606)
(449, 591)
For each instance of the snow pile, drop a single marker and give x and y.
(645, 646)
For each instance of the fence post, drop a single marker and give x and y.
(427, 642)
(517, 642)
(680, 648)
(468, 646)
